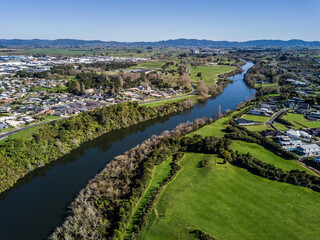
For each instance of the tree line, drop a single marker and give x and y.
(20, 156)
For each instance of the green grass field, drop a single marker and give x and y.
(267, 156)
(158, 103)
(255, 118)
(152, 64)
(280, 127)
(258, 128)
(215, 129)
(293, 118)
(209, 73)
(230, 203)
(272, 85)
(26, 134)
(159, 174)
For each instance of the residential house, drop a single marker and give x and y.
(314, 115)
(298, 134)
(308, 150)
(261, 112)
(288, 143)
(3, 125)
(290, 104)
(244, 122)
(316, 160)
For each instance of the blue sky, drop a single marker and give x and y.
(151, 20)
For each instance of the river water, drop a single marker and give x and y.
(39, 202)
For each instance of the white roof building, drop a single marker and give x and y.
(298, 134)
(309, 150)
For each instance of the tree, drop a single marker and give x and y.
(219, 114)
(202, 89)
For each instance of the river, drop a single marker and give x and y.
(39, 202)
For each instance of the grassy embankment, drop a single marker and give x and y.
(218, 129)
(161, 102)
(270, 85)
(27, 133)
(210, 73)
(261, 127)
(294, 119)
(230, 203)
(159, 174)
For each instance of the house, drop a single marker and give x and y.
(13, 123)
(5, 109)
(314, 115)
(49, 112)
(268, 106)
(298, 134)
(304, 106)
(314, 131)
(288, 143)
(3, 125)
(28, 119)
(289, 104)
(316, 160)
(298, 100)
(308, 150)
(261, 112)
(244, 122)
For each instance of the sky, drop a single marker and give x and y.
(154, 20)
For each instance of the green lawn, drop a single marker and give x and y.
(26, 134)
(280, 127)
(293, 118)
(255, 118)
(214, 129)
(151, 64)
(273, 85)
(232, 204)
(267, 156)
(158, 103)
(159, 174)
(258, 128)
(209, 73)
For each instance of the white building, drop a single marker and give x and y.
(308, 150)
(298, 134)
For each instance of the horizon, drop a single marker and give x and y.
(149, 21)
(173, 39)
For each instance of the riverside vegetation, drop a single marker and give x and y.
(19, 156)
(103, 210)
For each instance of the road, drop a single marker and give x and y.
(5, 135)
(275, 116)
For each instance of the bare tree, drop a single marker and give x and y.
(219, 113)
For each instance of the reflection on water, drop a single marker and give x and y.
(38, 202)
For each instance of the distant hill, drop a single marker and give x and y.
(166, 43)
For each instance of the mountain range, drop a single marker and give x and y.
(165, 43)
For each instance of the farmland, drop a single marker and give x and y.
(229, 203)
(209, 73)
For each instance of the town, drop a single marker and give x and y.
(30, 101)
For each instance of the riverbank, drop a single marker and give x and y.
(11, 173)
(138, 201)
(54, 140)
(59, 182)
